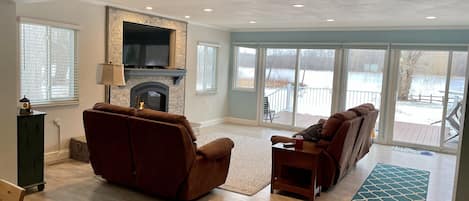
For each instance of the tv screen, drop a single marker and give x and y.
(145, 46)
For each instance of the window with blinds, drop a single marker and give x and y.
(206, 68)
(49, 73)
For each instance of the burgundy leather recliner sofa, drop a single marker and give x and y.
(154, 152)
(347, 139)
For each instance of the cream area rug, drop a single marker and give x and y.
(250, 166)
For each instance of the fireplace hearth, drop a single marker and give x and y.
(155, 95)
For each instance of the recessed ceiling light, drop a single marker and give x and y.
(187, 17)
(298, 5)
(252, 22)
(330, 20)
(149, 8)
(208, 9)
(430, 17)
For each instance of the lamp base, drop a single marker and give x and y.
(107, 93)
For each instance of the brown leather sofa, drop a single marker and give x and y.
(346, 139)
(364, 140)
(154, 152)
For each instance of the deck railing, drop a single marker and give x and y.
(433, 98)
(281, 99)
(356, 97)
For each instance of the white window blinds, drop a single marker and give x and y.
(49, 73)
(206, 68)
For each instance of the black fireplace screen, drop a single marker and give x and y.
(155, 95)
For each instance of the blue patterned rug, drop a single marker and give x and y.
(394, 183)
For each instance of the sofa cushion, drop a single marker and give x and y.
(106, 107)
(167, 117)
(363, 109)
(360, 111)
(332, 124)
(369, 106)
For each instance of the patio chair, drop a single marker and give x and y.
(10, 192)
(453, 119)
(268, 113)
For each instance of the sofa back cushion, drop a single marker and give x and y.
(114, 109)
(366, 131)
(163, 155)
(334, 122)
(167, 117)
(107, 136)
(362, 109)
(343, 143)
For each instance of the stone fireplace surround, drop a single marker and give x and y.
(114, 36)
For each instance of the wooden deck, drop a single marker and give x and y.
(428, 135)
(302, 120)
(421, 134)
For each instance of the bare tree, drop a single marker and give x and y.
(408, 64)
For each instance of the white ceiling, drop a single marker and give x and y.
(279, 14)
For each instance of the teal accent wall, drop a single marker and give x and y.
(397, 36)
(244, 104)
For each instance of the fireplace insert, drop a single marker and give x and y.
(154, 95)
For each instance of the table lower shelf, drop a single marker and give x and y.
(291, 186)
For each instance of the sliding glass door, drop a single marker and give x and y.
(279, 86)
(315, 81)
(424, 90)
(429, 98)
(297, 86)
(365, 68)
(455, 94)
(420, 96)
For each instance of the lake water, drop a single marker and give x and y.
(364, 81)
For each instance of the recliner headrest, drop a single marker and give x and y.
(114, 108)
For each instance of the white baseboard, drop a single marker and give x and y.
(55, 156)
(212, 122)
(247, 122)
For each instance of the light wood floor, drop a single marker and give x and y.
(75, 181)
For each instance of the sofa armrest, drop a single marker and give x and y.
(323, 144)
(216, 149)
(280, 139)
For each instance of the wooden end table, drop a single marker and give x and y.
(288, 162)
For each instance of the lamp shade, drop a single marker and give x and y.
(110, 74)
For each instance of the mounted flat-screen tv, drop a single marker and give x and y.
(145, 46)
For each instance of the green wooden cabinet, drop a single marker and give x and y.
(31, 150)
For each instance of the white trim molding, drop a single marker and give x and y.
(56, 156)
(240, 121)
(209, 123)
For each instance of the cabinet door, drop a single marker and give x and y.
(30, 150)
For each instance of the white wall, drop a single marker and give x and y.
(460, 192)
(8, 53)
(206, 108)
(91, 43)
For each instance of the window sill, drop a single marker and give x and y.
(205, 93)
(244, 89)
(55, 104)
